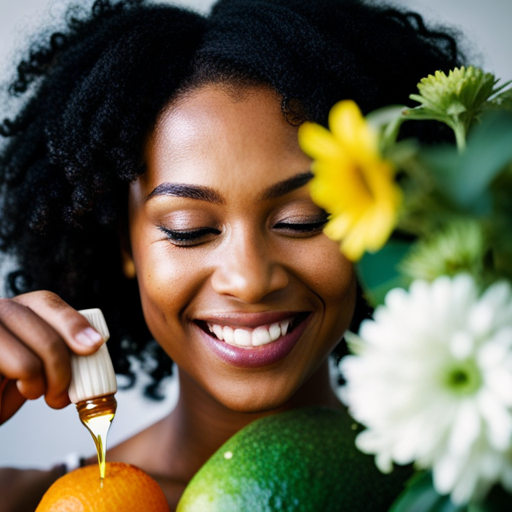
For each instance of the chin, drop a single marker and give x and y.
(256, 399)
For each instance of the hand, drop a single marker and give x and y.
(37, 332)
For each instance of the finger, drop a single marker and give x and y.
(76, 331)
(10, 400)
(18, 362)
(29, 331)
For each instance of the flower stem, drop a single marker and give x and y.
(460, 136)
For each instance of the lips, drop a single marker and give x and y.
(253, 340)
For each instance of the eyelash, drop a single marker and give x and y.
(188, 238)
(304, 227)
(197, 236)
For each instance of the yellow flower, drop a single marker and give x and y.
(352, 181)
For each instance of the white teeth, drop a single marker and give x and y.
(260, 336)
(250, 337)
(242, 337)
(275, 331)
(218, 331)
(229, 335)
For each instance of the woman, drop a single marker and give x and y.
(153, 171)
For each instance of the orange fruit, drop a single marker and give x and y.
(125, 488)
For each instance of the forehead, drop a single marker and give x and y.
(215, 128)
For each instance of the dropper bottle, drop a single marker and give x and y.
(92, 388)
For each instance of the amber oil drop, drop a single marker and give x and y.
(97, 415)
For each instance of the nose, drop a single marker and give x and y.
(248, 269)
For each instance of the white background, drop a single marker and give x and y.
(39, 436)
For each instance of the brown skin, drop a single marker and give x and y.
(37, 331)
(249, 260)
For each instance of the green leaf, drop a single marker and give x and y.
(465, 177)
(502, 101)
(423, 113)
(402, 153)
(500, 88)
(498, 500)
(378, 273)
(383, 116)
(420, 496)
(387, 120)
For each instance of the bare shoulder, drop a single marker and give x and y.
(22, 489)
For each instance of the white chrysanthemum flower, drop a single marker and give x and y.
(432, 382)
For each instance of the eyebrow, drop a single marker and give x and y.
(188, 191)
(202, 193)
(285, 187)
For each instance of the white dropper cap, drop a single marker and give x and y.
(93, 375)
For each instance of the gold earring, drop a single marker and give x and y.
(129, 268)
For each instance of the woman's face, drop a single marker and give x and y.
(238, 283)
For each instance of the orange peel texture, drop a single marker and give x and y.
(125, 488)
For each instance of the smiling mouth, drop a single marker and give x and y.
(246, 337)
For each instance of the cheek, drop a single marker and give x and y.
(332, 278)
(322, 266)
(167, 282)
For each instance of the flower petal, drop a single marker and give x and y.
(397, 383)
(318, 142)
(352, 182)
(349, 127)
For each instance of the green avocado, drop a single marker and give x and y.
(301, 460)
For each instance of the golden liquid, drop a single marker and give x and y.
(97, 415)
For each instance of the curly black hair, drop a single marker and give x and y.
(92, 93)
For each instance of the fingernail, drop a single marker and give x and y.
(88, 337)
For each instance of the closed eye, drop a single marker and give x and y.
(303, 228)
(189, 237)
